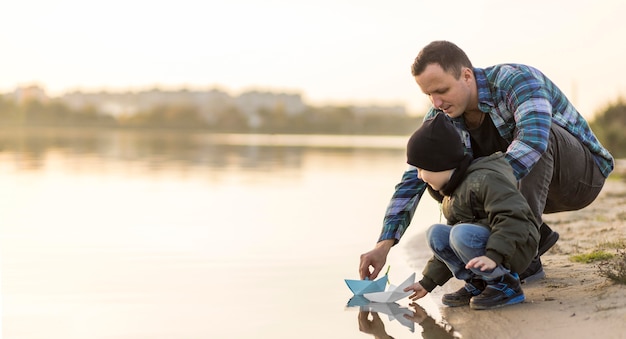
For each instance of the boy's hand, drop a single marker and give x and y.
(483, 263)
(419, 291)
(419, 314)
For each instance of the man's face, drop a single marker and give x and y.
(447, 93)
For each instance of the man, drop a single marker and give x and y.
(558, 162)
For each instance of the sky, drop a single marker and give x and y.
(329, 51)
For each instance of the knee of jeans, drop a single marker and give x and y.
(434, 236)
(430, 230)
(459, 236)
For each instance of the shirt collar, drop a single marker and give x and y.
(485, 100)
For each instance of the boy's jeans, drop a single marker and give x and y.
(456, 245)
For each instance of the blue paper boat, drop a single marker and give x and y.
(360, 287)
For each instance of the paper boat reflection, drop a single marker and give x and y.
(360, 287)
(394, 311)
(358, 300)
(393, 293)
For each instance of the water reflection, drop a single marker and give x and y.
(185, 231)
(370, 322)
(393, 310)
(159, 150)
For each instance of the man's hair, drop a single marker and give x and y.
(449, 56)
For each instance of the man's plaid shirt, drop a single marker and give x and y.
(522, 103)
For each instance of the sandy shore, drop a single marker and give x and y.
(573, 301)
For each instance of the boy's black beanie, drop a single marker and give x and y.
(436, 145)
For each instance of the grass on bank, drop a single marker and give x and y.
(610, 265)
(614, 269)
(596, 255)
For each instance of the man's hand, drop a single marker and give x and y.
(374, 326)
(418, 291)
(483, 263)
(375, 258)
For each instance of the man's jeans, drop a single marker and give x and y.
(456, 245)
(566, 177)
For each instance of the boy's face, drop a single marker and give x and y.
(436, 180)
(446, 92)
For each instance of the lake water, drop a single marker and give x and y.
(155, 235)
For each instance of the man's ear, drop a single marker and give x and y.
(467, 74)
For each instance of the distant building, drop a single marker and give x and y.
(105, 102)
(252, 103)
(29, 93)
(211, 104)
(208, 103)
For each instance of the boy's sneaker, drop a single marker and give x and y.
(503, 291)
(547, 239)
(462, 297)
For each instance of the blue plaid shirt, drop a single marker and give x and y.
(523, 103)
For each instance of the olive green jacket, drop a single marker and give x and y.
(488, 196)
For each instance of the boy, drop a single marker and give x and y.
(491, 235)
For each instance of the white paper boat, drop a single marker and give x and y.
(393, 293)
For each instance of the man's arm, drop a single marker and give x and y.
(525, 101)
(402, 205)
(532, 131)
(397, 218)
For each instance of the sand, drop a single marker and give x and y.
(573, 300)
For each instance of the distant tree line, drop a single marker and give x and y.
(326, 120)
(51, 113)
(608, 125)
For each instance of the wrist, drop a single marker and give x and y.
(385, 245)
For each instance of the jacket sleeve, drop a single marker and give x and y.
(509, 217)
(402, 206)
(435, 273)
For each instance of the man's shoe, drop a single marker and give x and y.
(547, 239)
(503, 291)
(533, 272)
(462, 297)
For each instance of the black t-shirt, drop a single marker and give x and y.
(486, 140)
